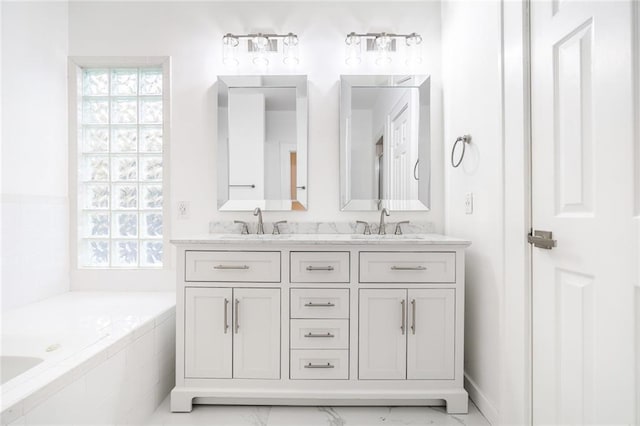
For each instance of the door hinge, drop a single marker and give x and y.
(542, 239)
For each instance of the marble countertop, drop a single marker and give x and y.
(353, 239)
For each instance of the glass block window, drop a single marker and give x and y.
(120, 188)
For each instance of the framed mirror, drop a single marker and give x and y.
(385, 142)
(262, 142)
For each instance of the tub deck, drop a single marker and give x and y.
(72, 333)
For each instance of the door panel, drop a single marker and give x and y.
(582, 191)
(208, 343)
(256, 341)
(382, 334)
(431, 334)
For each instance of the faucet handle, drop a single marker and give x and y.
(245, 227)
(398, 230)
(367, 227)
(276, 229)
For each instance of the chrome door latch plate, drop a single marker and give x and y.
(542, 239)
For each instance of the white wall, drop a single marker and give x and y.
(35, 235)
(473, 105)
(191, 34)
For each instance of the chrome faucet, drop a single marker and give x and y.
(383, 213)
(367, 227)
(276, 227)
(258, 212)
(245, 227)
(399, 227)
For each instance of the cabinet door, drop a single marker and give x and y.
(431, 334)
(256, 339)
(382, 334)
(208, 333)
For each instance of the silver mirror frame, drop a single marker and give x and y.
(299, 83)
(423, 84)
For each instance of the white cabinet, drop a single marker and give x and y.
(407, 334)
(256, 338)
(430, 334)
(382, 334)
(280, 320)
(237, 327)
(208, 332)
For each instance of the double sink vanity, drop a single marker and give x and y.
(320, 319)
(317, 314)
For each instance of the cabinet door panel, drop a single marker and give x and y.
(207, 338)
(431, 334)
(256, 339)
(382, 334)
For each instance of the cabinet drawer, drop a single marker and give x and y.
(319, 334)
(323, 364)
(233, 266)
(319, 267)
(319, 303)
(407, 267)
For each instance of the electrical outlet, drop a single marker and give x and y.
(468, 203)
(183, 210)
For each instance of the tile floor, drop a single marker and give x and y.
(314, 416)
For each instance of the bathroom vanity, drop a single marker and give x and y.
(324, 319)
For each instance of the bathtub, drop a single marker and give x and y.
(87, 358)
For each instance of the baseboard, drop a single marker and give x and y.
(485, 406)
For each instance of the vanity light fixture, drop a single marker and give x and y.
(260, 47)
(382, 45)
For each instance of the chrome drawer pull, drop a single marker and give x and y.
(319, 335)
(319, 305)
(408, 268)
(319, 268)
(327, 365)
(231, 267)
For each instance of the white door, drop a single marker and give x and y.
(431, 334)
(582, 174)
(400, 156)
(383, 334)
(208, 333)
(256, 338)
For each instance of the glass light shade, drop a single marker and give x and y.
(290, 49)
(260, 42)
(383, 48)
(259, 54)
(353, 50)
(230, 50)
(414, 54)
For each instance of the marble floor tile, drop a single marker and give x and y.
(212, 415)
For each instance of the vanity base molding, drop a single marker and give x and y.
(322, 320)
(182, 399)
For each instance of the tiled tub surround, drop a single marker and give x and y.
(320, 319)
(107, 358)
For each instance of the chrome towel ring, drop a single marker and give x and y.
(465, 140)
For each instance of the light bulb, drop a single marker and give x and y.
(353, 50)
(290, 49)
(229, 50)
